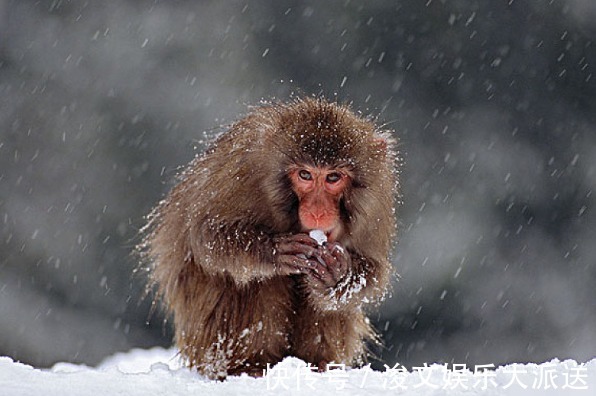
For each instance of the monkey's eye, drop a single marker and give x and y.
(333, 177)
(304, 175)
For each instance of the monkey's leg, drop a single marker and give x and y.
(264, 339)
(245, 328)
(331, 336)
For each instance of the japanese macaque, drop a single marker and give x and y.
(229, 249)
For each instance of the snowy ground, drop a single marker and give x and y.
(158, 372)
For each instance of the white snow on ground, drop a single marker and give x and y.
(159, 372)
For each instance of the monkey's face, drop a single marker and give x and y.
(319, 190)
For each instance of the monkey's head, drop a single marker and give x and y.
(332, 161)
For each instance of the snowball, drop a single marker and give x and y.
(319, 236)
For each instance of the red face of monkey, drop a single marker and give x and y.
(319, 190)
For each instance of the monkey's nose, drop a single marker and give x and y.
(319, 217)
(321, 220)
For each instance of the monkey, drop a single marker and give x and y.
(228, 251)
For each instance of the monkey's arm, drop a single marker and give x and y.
(246, 253)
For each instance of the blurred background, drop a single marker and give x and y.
(494, 104)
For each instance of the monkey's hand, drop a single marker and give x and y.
(334, 279)
(328, 265)
(324, 267)
(294, 254)
(340, 279)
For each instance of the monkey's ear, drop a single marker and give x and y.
(380, 145)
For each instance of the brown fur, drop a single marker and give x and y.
(209, 245)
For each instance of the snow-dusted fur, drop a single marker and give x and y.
(209, 245)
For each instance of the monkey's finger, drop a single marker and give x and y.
(292, 247)
(321, 258)
(336, 249)
(298, 238)
(310, 267)
(304, 238)
(321, 277)
(337, 259)
(332, 263)
(289, 264)
(342, 257)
